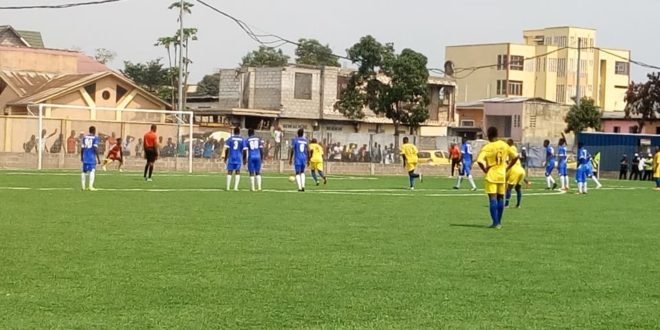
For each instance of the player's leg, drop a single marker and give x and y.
(459, 179)
(501, 190)
(83, 177)
(105, 164)
(595, 179)
(300, 172)
(313, 171)
(92, 178)
(507, 197)
(258, 174)
(121, 164)
(467, 171)
(229, 174)
(252, 172)
(151, 169)
(657, 183)
(237, 176)
(518, 195)
(319, 168)
(491, 192)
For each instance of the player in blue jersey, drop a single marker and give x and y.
(466, 168)
(89, 157)
(234, 157)
(562, 168)
(255, 151)
(582, 169)
(298, 157)
(549, 165)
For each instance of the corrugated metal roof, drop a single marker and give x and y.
(25, 82)
(33, 38)
(56, 86)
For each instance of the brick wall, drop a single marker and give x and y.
(230, 89)
(267, 88)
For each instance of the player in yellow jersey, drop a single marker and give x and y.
(409, 154)
(656, 168)
(495, 159)
(316, 161)
(514, 177)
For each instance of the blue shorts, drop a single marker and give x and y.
(549, 168)
(563, 169)
(299, 168)
(581, 174)
(466, 169)
(234, 166)
(254, 165)
(88, 167)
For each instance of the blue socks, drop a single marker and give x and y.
(508, 197)
(314, 176)
(494, 211)
(500, 209)
(412, 180)
(518, 196)
(321, 174)
(657, 182)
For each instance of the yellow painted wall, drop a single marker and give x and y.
(480, 84)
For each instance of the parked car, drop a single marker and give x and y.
(433, 157)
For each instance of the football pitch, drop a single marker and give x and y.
(361, 252)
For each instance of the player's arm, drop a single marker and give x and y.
(311, 154)
(481, 160)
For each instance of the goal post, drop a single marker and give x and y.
(55, 145)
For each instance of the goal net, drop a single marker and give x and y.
(53, 133)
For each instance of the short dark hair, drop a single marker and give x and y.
(546, 141)
(119, 140)
(301, 132)
(315, 141)
(92, 130)
(580, 144)
(405, 139)
(509, 142)
(562, 141)
(153, 127)
(491, 133)
(237, 130)
(250, 131)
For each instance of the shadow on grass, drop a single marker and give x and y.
(469, 226)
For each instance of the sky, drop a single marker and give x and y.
(131, 27)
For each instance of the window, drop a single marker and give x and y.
(548, 41)
(303, 86)
(121, 91)
(562, 42)
(467, 123)
(105, 95)
(342, 85)
(532, 121)
(561, 67)
(621, 68)
(517, 63)
(516, 121)
(540, 64)
(515, 87)
(657, 130)
(552, 65)
(632, 129)
(561, 94)
(91, 90)
(502, 62)
(501, 87)
(616, 129)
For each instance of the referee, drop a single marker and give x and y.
(150, 143)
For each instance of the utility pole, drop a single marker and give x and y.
(579, 59)
(179, 106)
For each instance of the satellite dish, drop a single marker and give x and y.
(449, 68)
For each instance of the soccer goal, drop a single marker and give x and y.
(57, 136)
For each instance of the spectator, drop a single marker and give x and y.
(139, 148)
(523, 157)
(278, 135)
(41, 142)
(634, 170)
(57, 145)
(71, 143)
(209, 149)
(455, 155)
(648, 168)
(623, 168)
(31, 144)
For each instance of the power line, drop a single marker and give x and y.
(276, 40)
(62, 6)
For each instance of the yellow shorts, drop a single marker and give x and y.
(316, 166)
(515, 176)
(411, 167)
(494, 188)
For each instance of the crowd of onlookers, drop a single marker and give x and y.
(640, 167)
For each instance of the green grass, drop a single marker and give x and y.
(386, 258)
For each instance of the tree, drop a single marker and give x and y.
(579, 118)
(643, 100)
(187, 6)
(209, 85)
(150, 75)
(104, 56)
(390, 84)
(265, 57)
(312, 52)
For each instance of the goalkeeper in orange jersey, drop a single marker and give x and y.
(115, 154)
